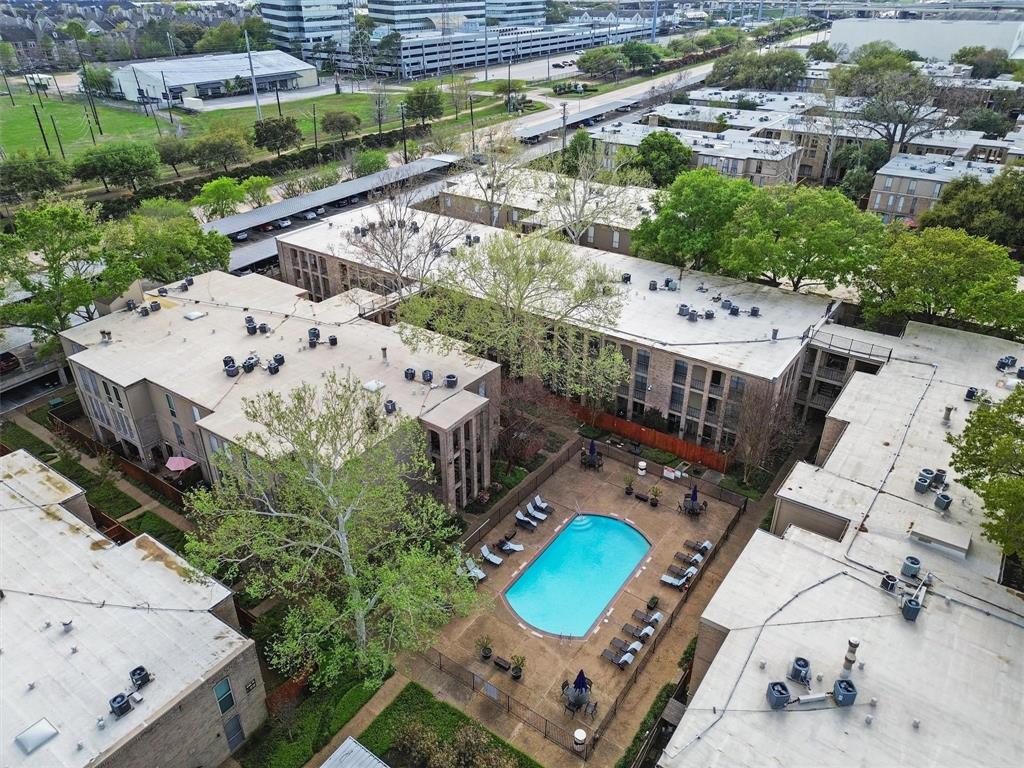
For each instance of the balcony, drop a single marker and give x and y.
(697, 384)
(716, 389)
(821, 401)
(693, 413)
(832, 374)
(711, 417)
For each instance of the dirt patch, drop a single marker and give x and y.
(153, 551)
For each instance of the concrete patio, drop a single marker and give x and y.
(552, 659)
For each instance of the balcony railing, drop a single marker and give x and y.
(697, 384)
(711, 417)
(821, 401)
(832, 374)
(693, 413)
(716, 389)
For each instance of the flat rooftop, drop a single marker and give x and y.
(185, 355)
(791, 102)
(933, 167)
(741, 343)
(533, 191)
(219, 67)
(729, 143)
(955, 672)
(128, 606)
(749, 119)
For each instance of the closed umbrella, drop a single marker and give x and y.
(580, 693)
(593, 448)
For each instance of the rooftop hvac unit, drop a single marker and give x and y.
(390, 406)
(131, 305)
(684, 310)
(273, 368)
(264, 329)
(939, 479)
(692, 317)
(910, 608)
(250, 328)
(844, 693)
(626, 277)
(410, 374)
(120, 705)
(414, 227)
(755, 311)
(451, 381)
(427, 375)
(355, 229)
(332, 340)
(279, 358)
(476, 239)
(161, 291)
(144, 311)
(800, 671)
(248, 365)
(922, 484)
(154, 306)
(653, 285)
(1006, 363)
(673, 285)
(777, 694)
(726, 303)
(926, 473)
(228, 360)
(943, 500)
(889, 583)
(140, 677)
(709, 314)
(734, 310)
(231, 370)
(314, 333)
(911, 566)
(183, 287)
(972, 393)
(189, 281)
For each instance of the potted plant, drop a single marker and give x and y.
(655, 494)
(518, 665)
(652, 603)
(629, 485)
(483, 644)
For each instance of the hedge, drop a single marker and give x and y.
(15, 437)
(645, 726)
(417, 703)
(167, 534)
(105, 496)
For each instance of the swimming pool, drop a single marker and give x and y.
(570, 584)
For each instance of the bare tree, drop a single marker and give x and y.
(459, 93)
(380, 101)
(765, 426)
(403, 246)
(521, 434)
(495, 173)
(443, 140)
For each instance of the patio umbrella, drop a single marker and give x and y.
(581, 683)
(179, 463)
(693, 494)
(593, 448)
(579, 693)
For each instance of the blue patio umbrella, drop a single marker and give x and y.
(593, 448)
(581, 683)
(693, 494)
(579, 693)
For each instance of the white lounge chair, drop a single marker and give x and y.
(626, 660)
(524, 522)
(490, 557)
(655, 618)
(542, 505)
(474, 570)
(672, 581)
(534, 513)
(508, 546)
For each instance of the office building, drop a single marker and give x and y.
(156, 381)
(112, 655)
(444, 16)
(296, 25)
(516, 13)
(908, 185)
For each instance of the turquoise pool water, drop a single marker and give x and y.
(570, 584)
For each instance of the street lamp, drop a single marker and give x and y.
(405, 148)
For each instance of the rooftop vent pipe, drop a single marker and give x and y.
(851, 657)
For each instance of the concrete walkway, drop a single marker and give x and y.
(147, 502)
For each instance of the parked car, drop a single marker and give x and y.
(558, 65)
(588, 122)
(282, 223)
(9, 362)
(268, 227)
(240, 237)
(624, 108)
(320, 211)
(307, 215)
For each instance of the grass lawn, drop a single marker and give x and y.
(15, 437)
(40, 415)
(622, 83)
(731, 483)
(105, 496)
(151, 523)
(417, 703)
(19, 129)
(317, 719)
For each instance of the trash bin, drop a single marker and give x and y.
(641, 467)
(579, 740)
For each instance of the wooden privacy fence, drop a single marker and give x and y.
(520, 494)
(652, 437)
(111, 528)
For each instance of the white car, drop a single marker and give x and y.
(283, 223)
(307, 215)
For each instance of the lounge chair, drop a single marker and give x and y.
(621, 662)
(672, 581)
(534, 513)
(622, 646)
(524, 522)
(648, 618)
(475, 570)
(690, 558)
(676, 571)
(542, 505)
(489, 556)
(643, 635)
(507, 546)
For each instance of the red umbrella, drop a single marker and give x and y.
(179, 463)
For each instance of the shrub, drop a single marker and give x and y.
(592, 433)
(645, 726)
(659, 456)
(686, 659)
(15, 437)
(103, 495)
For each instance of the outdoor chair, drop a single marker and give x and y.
(622, 646)
(540, 504)
(524, 522)
(648, 618)
(591, 709)
(474, 570)
(489, 556)
(621, 662)
(640, 634)
(534, 513)
(672, 581)
(507, 546)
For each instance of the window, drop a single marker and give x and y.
(447, 201)
(938, 189)
(222, 691)
(878, 200)
(170, 405)
(899, 203)
(590, 234)
(214, 444)
(615, 238)
(117, 396)
(178, 434)
(676, 402)
(888, 183)
(196, 416)
(736, 387)
(679, 372)
(106, 391)
(672, 423)
(912, 186)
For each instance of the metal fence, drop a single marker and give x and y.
(831, 341)
(551, 731)
(521, 493)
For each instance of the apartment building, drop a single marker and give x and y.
(908, 185)
(790, 102)
(694, 341)
(603, 216)
(112, 654)
(875, 573)
(762, 162)
(169, 376)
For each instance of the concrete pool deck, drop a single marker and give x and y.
(550, 660)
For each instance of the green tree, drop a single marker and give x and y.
(988, 121)
(188, 35)
(994, 210)
(424, 102)
(856, 183)
(320, 503)
(663, 156)
(603, 62)
(898, 106)
(29, 175)
(277, 134)
(943, 273)
(166, 242)
(8, 56)
(221, 148)
(774, 70)
(508, 88)
(985, 62)
(556, 12)
(226, 37)
(55, 256)
(578, 147)
(989, 457)
(173, 151)
(803, 236)
(367, 161)
(967, 54)
(340, 122)
(821, 51)
(690, 217)
(219, 198)
(640, 55)
(257, 190)
(869, 63)
(99, 79)
(121, 163)
(259, 34)
(871, 155)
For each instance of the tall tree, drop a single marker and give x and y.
(55, 256)
(29, 175)
(580, 146)
(803, 236)
(988, 121)
(496, 176)
(367, 161)
(337, 121)
(219, 198)
(173, 151)
(689, 219)
(424, 102)
(821, 51)
(221, 147)
(606, 62)
(257, 190)
(380, 102)
(319, 504)
(663, 156)
(640, 55)
(989, 457)
(994, 210)
(121, 163)
(277, 134)
(898, 107)
(985, 63)
(765, 427)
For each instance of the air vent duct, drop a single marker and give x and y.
(451, 381)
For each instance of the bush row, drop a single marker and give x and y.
(645, 726)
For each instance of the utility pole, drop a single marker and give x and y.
(316, 136)
(88, 90)
(252, 76)
(42, 133)
(405, 148)
(167, 96)
(60, 144)
(654, 23)
(88, 122)
(56, 82)
(277, 95)
(156, 121)
(565, 121)
(7, 85)
(143, 97)
(28, 85)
